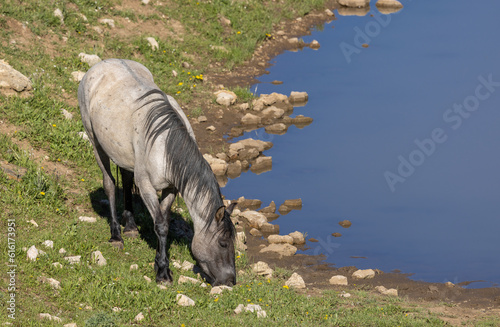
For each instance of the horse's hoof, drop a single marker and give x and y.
(131, 233)
(116, 244)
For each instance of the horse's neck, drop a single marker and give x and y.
(202, 203)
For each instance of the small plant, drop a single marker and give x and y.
(100, 320)
(196, 112)
(243, 94)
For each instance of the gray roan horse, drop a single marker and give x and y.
(129, 120)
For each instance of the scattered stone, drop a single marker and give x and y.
(67, 115)
(251, 204)
(345, 223)
(98, 258)
(270, 228)
(329, 13)
(296, 281)
(273, 112)
(135, 266)
(277, 239)
(250, 119)
(219, 166)
(365, 45)
(97, 29)
(147, 279)
(283, 209)
(145, 2)
(364, 274)
(255, 232)
(276, 128)
(262, 269)
(389, 4)
(216, 290)
(186, 65)
(91, 60)
(271, 208)
(241, 239)
(49, 244)
(385, 291)
(12, 81)
(295, 42)
(298, 97)
(314, 45)
(262, 163)
(153, 43)
(244, 106)
(336, 234)
(313, 240)
(344, 294)
(202, 119)
(224, 21)
(354, 3)
(62, 251)
(294, 204)
(33, 223)
(58, 14)
(55, 284)
(73, 324)
(282, 249)
(449, 284)
(139, 317)
(187, 266)
(211, 128)
(255, 219)
(234, 169)
(48, 316)
(225, 97)
(298, 238)
(116, 309)
(301, 120)
(73, 259)
(239, 309)
(174, 73)
(162, 287)
(188, 280)
(184, 301)
(32, 253)
(107, 21)
(338, 280)
(57, 265)
(87, 219)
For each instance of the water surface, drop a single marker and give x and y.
(438, 220)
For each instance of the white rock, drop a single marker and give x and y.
(98, 258)
(186, 265)
(49, 244)
(276, 128)
(280, 239)
(252, 308)
(189, 280)
(73, 259)
(174, 73)
(261, 314)
(364, 273)
(273, 112)
(255, 219)
(57, 265)
(345, 295)
(298, 238)
(91, 60)
(385, 291)
(250, 119)
(145, 2)
(184, 301)
(48, 316)
(116, 309)
(13, 81)
(107, 21)
(296, 281)
(329, 13)
(83, 136)
(239, 309)
(139, 317)
(147, 279)
(62, 251)
(77, 76)
(389, 4)
(54, 283)
(67, 115)
(219, 289)
(153, 43)
(176, 264)
(262, 164)
(32, 253)
(338, 280)
(58, 13)
(298, 96)
(134, 267)
(210, 128)
(262, 269)
(282, 249)
(225, 97)
(87, 219)
(73, 324)
(354, 3)
(33, 223)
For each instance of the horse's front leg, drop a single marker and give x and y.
(128, 214)
(149, 196)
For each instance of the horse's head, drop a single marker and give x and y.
(213, 248)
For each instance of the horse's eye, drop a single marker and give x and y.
(223, 244)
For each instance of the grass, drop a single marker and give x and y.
(88, 293)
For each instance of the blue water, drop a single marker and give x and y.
(419, 81)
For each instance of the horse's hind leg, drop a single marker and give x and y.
(128, 214)
(109, 188)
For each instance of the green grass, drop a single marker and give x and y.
(88, 292)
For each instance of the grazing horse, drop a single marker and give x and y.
(129, 120)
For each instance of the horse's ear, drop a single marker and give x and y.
(231, 207)
(219, 214)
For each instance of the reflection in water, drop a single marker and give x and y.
(441, 223)
(346, 11)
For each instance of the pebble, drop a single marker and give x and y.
(262, 269)
(62, 251)
(49, 244)
(364, 273)
(107, 21)
(187, 280)
(345, 223)
(255, 232)
(186, 265)
(314, 45)
(296, 281)
(280, 239)
(139, 317)
(67, 115)
(184, 301)
(298, 96)
(147, 279)
(32, 253)
(73, 259)
(282, 249)
(338, 280)
(98, 258)
(385, 291)
(298, 238)
(91, 60)
(134, 266)
(87, 219)
(202, 119)
(153, 43)
(219, 289)
(33, 223)
(77, 76)
(211, 128)
(57, 265)
(48, 316)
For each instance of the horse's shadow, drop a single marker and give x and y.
(180, 231)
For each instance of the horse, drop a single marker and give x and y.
(129, 120)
